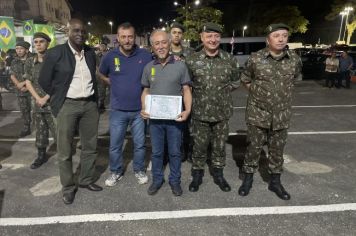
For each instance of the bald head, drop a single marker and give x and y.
(76, 33)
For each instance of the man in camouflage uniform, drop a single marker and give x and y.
(214, 76)
(23, 96)
(41, 111)
(102, 86)
(178, 49)
(269, 77)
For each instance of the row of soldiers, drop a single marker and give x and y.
(269, 77)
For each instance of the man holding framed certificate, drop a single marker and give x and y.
(165, 80)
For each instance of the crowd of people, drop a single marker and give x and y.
(337, 70)
(65, 82)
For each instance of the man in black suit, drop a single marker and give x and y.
(68, 77)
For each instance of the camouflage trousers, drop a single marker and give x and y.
(209, 133)
(257, 137)
(102, 87)
(44, 123)
(24, 103)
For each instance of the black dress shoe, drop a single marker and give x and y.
(176, 190)
(68, 198)
(91, 187)
(153, 189)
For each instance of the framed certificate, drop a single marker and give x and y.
(163, 107)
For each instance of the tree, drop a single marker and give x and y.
(97, 28)
(289, 15)
(336, 8)
(193, 19)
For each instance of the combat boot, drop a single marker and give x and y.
(197, 180)
(246, 185)
(276, 187)
(220, 180)
(41, 158)
(25, 131)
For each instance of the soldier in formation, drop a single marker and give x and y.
(214, 74)
(23, 96)
(44, 121)
(269, 78)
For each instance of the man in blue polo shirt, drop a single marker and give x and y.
(166, 76)
(122, 69)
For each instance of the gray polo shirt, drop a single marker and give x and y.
(167, 79)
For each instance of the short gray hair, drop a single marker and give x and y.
(159, 31)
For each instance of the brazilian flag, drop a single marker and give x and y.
(28, 28)
(7, 33)
(47, 29)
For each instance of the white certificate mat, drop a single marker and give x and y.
(163, 107)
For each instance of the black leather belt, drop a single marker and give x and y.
(85, 99)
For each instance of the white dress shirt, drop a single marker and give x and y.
(81, 85)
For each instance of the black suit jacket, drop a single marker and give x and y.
(57, 73)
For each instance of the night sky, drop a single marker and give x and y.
(147, 12)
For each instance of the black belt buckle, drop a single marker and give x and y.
(83, 99)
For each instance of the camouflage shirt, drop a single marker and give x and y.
(271, 83)
(213, 79)
(32, 71)
(186, 51)
(18, 70)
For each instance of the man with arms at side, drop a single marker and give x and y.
(166, 76)
(42, 115)
(122, 69)
(68, 77)
(215, 74)
(17, 70)
(269, 77)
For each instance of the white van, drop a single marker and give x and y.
(243, 47)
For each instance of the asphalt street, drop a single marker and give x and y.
(320, 163)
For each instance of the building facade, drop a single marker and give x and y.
(57, 12)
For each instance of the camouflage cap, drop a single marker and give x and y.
(274, 27)
(41, 35)
(211, 27)
(23, 44)
(177, 25)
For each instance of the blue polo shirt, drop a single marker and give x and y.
(125, 77)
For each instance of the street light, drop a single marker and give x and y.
(89, 23)
(342, 14)
(347, 10)
(196, 3)
(110, 23)
(243, 30)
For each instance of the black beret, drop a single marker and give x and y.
(23, 44)
(177, 25)
(41, 35)
(274, 27)
(211, 27)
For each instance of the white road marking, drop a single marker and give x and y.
(46, 187)
(11, 166)
(157, 215)
(317, 106)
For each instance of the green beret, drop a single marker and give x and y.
(211, 27)
(23, 44)
(41, 35)
(177, 25)
(274, 27)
